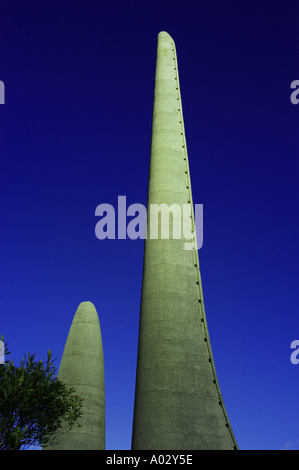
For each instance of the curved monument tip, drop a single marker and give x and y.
(86, 312)
(164, 33)
(86, 303)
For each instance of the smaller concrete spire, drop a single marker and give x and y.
(82, 367)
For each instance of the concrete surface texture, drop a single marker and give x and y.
(82, 367)
(178, 403)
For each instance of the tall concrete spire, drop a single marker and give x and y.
(178, 403)
(82, 367)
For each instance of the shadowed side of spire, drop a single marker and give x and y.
(82, 367)
(178, 403)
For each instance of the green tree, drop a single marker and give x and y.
(34, 404)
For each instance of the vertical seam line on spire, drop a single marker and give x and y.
(196, 259)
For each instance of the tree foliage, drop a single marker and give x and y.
(34, 404)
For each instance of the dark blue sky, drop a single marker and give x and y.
(75, 132)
